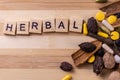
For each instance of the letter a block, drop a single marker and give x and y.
(35, 26)
(76, 25)
(9, 28)
(61, 25)
(23, 28)
(49, 25)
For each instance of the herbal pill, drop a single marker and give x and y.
(100, 16)
(91, 59)
(85, 30)
(107, 48)
(103, 28)
(109, 26)
(117, 58)
(102, 34)
(112, 19)
(115, 35)
(67, 77)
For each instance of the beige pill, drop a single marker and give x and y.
(109, 26)
(107, 48)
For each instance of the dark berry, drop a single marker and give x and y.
(118, 15)
(117, 42)
(92, 25)
(100, 52)
(87, 46)
(65, 66)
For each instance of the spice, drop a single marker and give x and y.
(98, 65)
(80, 57)
(66, 66)
(92, 25)
(87, 46)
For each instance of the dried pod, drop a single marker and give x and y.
(87, 46)
(66, 66)
(92, 25)
(114, 76)
(109, 61)
(98, 65)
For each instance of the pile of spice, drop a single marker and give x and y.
(104, 53)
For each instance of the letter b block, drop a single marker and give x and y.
(49, 25)
(9, 28)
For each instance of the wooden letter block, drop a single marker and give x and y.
(61, 25)
(76, 25)
(35, 26)
(23, 28)
(9, 28)
(49, 25)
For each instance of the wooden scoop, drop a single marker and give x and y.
(81, 56)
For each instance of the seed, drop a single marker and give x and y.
(66, 66)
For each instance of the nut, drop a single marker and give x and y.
(109, 61)
(66, 66)
(114, 76)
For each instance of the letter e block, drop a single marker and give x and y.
(76, 25)
(23, 28)
(61, 25)
(9, 28)
(35, 26)
(49, 25)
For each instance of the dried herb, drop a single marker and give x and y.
(66, 66)
(98, 65)
(92, 25)
(87, 46)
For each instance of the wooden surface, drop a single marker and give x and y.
(35, 61)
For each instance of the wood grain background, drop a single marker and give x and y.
(50, 4)
(36, 64)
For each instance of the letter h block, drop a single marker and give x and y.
(9, 28)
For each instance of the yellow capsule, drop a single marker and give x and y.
(91, 59)
(100, 16)
(115, 35)
(112, 19)
(102, 34)
(67, 77)
(85, 30)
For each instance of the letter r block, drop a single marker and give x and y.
(62, 25)
(76, 25)
(9, 28)
(35, 26)
(22, 28)
(49, 25)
